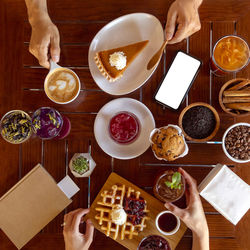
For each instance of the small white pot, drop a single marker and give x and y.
(92, 165)
(163, 232)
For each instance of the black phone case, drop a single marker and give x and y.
(190, 85)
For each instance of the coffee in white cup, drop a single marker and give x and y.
(62, 85)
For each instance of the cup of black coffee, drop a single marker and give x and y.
(236, 142)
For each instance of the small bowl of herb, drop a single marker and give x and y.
(170, 186)
(16, 126)
(82, 165)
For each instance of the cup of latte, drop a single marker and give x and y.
(61, 85)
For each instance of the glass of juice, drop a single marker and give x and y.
(230, 55)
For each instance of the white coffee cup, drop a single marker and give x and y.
(164, 232)
(53, 68)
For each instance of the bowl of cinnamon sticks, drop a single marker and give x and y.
(234, 97)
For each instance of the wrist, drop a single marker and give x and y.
(201, 233)
(196, 3)
(38, 17)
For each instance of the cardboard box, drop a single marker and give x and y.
(30, 205)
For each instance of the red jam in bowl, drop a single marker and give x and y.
(124, 127)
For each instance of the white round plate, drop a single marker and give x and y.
(122, 31)
(101, 128)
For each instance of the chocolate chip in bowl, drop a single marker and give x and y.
(199, 122)
(236, 142)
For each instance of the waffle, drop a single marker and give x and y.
(119, 195)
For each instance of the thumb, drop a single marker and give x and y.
(89, 232)
(170, 25)
(175, 210)
(55, 48)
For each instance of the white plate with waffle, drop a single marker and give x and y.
(131, 28)
(101, 128)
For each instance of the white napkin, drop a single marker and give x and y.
(68, 186)
(226, 192)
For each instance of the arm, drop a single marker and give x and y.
(45, 37)
(74, 240)
(193, 215)
(182, 20)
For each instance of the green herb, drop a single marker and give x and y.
(81, 165)
(176, 181)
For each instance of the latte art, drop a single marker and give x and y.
(62, 86)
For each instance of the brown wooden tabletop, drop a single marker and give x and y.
(21, 87)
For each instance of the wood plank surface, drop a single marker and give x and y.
(21, 87)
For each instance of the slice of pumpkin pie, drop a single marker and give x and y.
(113, 62)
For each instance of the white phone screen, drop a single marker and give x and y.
(177, 80)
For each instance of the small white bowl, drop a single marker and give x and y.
(223, 142)
(92, 165)
(163, 232)
(180, 133)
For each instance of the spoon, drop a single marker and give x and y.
(156, 57)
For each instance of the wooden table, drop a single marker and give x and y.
(21, 86)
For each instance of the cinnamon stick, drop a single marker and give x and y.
(240, 106)
(232, 99)
(236, 93)
(240, 85)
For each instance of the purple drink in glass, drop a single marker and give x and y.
(47, 122)
(65, 128)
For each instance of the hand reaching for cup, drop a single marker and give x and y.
(74, 240)
(193, 215)
(182, 20)
(45, 38)
(44, 42)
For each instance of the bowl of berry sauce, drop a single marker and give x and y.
(154, 242)
(124, 127)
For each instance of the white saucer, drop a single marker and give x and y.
(101, 128)
(122, 31)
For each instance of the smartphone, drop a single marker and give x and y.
(178, 80)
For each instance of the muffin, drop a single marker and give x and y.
(168, 143)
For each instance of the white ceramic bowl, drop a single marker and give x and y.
(180, 133)
(223, 142)
(163, 232)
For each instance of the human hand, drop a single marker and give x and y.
(74, 240)
(44, 42)
(193, 215)
(183, 15)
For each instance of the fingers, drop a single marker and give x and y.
(68, 219)
(190, 181)
(187, 195)
(89, 232)
(179, 35)
(43, 56)
(55, 47)
(175, 210)
(77, 216)
(170, 25)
